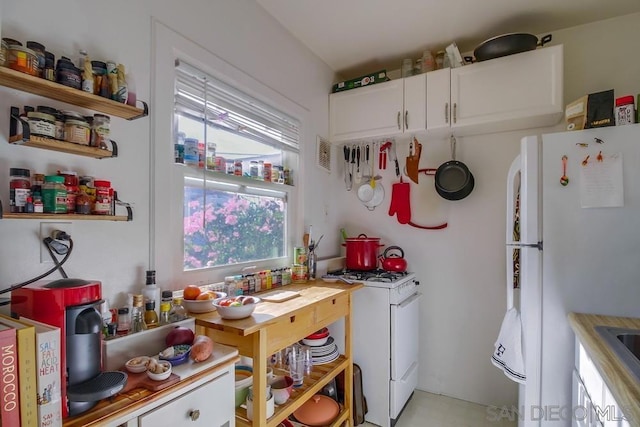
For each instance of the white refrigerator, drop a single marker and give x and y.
(579, 251)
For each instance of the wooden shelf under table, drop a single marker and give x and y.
(320, 376)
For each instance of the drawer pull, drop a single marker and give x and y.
(333, 301)
(194, 415)
(292, 319)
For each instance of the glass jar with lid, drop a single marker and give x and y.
(100, 131)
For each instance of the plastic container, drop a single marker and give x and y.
(104, 196)
(71, 184)
(191, 155)
(23, 60)
(407, 67)
(54, 194)
(428, 61)
(151, 292)
(19, 189)
(625, 111)
(67, 74)
(211, 156)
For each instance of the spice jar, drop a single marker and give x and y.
(49, 66)
(67, 74)
(54, 194)
(99, 69)
(124, 321)
(19, 189)
(150, 315)
(100, 131)
(77, 130)
(42, 124)
(39, 51)
(71, 184)
(23, 60)
(104, 196)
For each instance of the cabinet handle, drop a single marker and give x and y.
(194, 415)
(455, 112)
(399, 120)
(406, 119)
(446, 112)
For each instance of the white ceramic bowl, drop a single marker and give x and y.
(235, 312)
(137, 364)
(202, 305)
(281, 388)
(315, 342)
(160, 376)
(270, 407)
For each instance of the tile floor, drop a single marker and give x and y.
(433, 410)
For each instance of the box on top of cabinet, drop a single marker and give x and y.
(368, 79)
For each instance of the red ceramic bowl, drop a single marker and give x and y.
(322, 333)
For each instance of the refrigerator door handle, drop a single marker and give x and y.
(525, 245)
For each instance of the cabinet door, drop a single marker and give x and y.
(514, 92)
(212, 405)
(439, 102)
(415, 103)
(366, 112)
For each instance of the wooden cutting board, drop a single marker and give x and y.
(280, 296)
(142, 380)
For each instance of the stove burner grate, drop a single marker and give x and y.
(369, 275)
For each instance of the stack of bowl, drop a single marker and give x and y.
(244, 379)
(323, 347)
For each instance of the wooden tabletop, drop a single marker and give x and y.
(268, 313)
(623, 385)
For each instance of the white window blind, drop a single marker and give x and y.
(207, 99)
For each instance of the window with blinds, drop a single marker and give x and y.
(235, 150)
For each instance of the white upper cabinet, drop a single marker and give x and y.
(519, 91)
(383, 109)
(514, 92)
(439, 102)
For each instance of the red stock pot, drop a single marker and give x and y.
(362, 252)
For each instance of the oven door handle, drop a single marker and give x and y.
(409, 300)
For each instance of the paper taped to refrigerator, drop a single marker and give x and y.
(601, 184)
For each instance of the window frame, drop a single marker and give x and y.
(167, 178)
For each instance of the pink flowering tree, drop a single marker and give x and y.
(227, 228)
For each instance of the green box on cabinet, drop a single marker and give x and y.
(369, 79)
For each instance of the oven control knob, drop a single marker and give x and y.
(417, 282)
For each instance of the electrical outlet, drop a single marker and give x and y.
(46, 228)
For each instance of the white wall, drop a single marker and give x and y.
(240, 33)
(462, 268)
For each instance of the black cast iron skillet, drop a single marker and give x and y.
(508, 44)
(453, 179)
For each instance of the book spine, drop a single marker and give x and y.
(49, 378)
(9, 388)
(27, 372)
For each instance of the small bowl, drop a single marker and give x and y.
(270, 407)
(244, 379)
(202, 305)
(316, 342)
(235, 312)
(281, 388)
(322, 333)
(181, 354)
(163, 375)
(137, 364)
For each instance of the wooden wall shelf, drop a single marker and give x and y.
(65, 147)
(39, 86)
(65, 217)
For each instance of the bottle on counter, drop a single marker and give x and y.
(137, 315)
(177, 312)
(124, 321)
(150, 315)
(165, 307)
(151, 291)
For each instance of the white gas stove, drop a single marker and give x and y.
(388, 302)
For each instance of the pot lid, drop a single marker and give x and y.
(362, 238)
(318, 411)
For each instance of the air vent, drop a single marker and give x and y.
(323, 154)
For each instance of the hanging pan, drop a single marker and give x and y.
(453, 180)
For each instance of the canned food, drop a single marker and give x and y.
(299, 255)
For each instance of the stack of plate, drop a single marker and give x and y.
(323, 347)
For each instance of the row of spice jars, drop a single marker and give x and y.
(69, 126)
(62, 193)
(105, 79)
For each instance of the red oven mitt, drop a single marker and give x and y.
(400, 202)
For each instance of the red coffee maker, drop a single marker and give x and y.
(73, 306)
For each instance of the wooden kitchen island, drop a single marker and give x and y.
(276, 325)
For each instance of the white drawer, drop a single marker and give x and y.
(212, 405)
